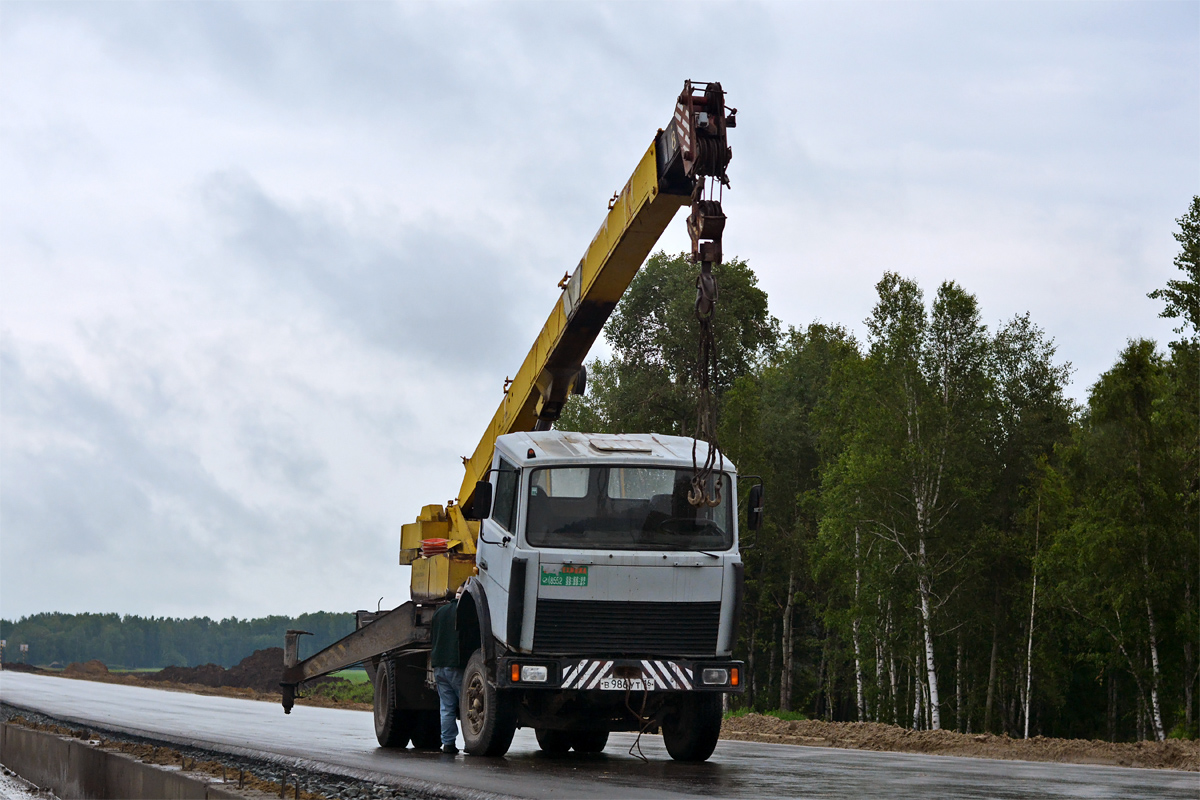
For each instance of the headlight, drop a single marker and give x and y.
(533, 674)
(715, 676)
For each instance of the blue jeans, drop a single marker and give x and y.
(449, 685)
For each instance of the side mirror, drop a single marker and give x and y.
(481, 503)
(754, 507)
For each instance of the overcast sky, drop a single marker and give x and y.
(264, 266)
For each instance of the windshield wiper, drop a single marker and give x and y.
(711, 555)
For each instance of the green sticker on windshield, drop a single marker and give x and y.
(568, 575)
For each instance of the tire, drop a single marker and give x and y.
(552, 741)
(488, 721)
(392, 724)
(691, 729)
(589, 741)
(426, 731)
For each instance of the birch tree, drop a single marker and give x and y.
(768, 429)
(1181, 298)
(1031, 416)
(1182, 295)
(910, 473)
(1119, 565)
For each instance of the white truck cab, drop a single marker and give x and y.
(599, 578)
(615, 559)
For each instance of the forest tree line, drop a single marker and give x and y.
(949, 540)
(132, 642)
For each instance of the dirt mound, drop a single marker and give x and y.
(19, 667)
(203, 675)
(1171, 754)
(259, 671)
(89, 669)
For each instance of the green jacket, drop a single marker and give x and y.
(444, 634)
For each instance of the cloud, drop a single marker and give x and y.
(265, 266)
(94, 496)
(132, 496)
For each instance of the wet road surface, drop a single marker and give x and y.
(343, 741)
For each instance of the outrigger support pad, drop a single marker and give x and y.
(291, 657)
(289, 697)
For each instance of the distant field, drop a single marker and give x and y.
(354, 675)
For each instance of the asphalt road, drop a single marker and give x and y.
(343, 741)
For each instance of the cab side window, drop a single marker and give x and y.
(504, 509)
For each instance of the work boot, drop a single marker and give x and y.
(449, 749)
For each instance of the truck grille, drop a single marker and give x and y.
(602, 627)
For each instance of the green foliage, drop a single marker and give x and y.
(918, 484)
(344, 691)
(133, 642)
(1128, 553)
(1182, 296)
(931, 444)
(1181, 731)
(786, 716)
(768, 430)
(649, 385)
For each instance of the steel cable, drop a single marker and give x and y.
(706, 404)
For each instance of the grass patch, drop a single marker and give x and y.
(354, 675)
(344, 691)
(1180, 731)
(786, 716)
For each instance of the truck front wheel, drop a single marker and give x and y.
(690, 730)
(392, 724)
(488, 721)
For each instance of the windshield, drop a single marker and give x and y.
(624, 508)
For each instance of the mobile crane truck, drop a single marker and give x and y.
(601, 575)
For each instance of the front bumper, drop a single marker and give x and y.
(622, 674)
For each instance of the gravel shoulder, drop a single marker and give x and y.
(1180, 754)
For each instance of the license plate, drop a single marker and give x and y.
(632, 684)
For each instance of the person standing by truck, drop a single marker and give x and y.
(446, 660)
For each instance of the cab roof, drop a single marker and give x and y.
(567, 447)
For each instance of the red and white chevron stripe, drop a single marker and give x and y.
(656, 676)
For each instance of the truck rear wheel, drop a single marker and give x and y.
(392, 724)
(488, 721)
(589, 741)
(691, 729)
(553, 741)
(426, 729)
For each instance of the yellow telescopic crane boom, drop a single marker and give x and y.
(674, 172)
